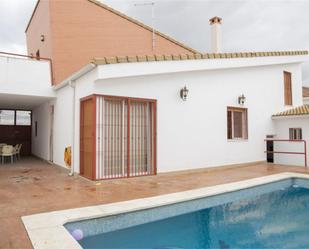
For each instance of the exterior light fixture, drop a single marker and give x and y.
(241, 99)
(42, 38)
(184, 93)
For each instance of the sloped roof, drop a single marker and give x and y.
(297, 111)
(197, 56)
(102, 5)
(305, 92)
(142, 25)
(31, 17)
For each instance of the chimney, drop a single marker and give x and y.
(215, 26)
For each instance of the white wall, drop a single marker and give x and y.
(63, 123)
(306, 100)
(282, 126)
(25, 77)
(193, 134)
(40, 143)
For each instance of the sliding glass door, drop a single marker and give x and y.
(125, 137)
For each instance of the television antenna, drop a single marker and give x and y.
(152, 4)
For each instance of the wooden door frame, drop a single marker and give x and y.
(93, 97)
(81, 155)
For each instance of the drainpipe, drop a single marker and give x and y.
(73, 86)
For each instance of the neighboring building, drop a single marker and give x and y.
(71, 33)
(138, 114)
(294, 125)
(306, 95)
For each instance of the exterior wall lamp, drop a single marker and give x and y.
(42, 38)
(184, 93)
(241, 99)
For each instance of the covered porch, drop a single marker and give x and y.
(24, 126)
(25, 87)
(33, 186)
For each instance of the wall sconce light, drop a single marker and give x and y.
(241, 99)
(184, 93)
(42, 38)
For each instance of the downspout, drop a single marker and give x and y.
(73, 86)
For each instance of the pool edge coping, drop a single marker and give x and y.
(47, 231)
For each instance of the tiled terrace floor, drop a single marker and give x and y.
(32, 186)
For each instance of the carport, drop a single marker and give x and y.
(26, 97)
(21, 122)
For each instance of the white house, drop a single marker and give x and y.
(138, 115)
(210, 128)
(293, 125)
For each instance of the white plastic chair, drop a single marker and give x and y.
(15, 151)
(18, 149)
(1, 145)
(7, 151)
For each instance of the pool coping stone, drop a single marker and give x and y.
(47, 231)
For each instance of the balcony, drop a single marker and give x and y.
(24, 81)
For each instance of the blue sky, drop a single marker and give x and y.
(248, 25)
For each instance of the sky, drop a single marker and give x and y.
(248, 25)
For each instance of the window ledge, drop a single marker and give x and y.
(238, 140)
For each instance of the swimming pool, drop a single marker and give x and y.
(272, 215)
(54, 229)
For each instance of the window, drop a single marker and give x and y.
(23, 118)
(288, 88)
(7, 117)
(295, 133)
(15, 117)
(237, 123)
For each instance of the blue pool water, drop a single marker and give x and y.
(272, 219)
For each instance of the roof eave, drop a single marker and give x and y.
(84, 70)
(290, 116)
(198, 56)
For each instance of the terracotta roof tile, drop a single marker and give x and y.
(197, 56)
(176, 57)
(141, 58)
(159, 57)
(111, 60)
(132, 59)
(168, 57)
(305, 92)
(184, 57)
(297, 111)
(191, 57)
(150, 57)
(121, 59)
